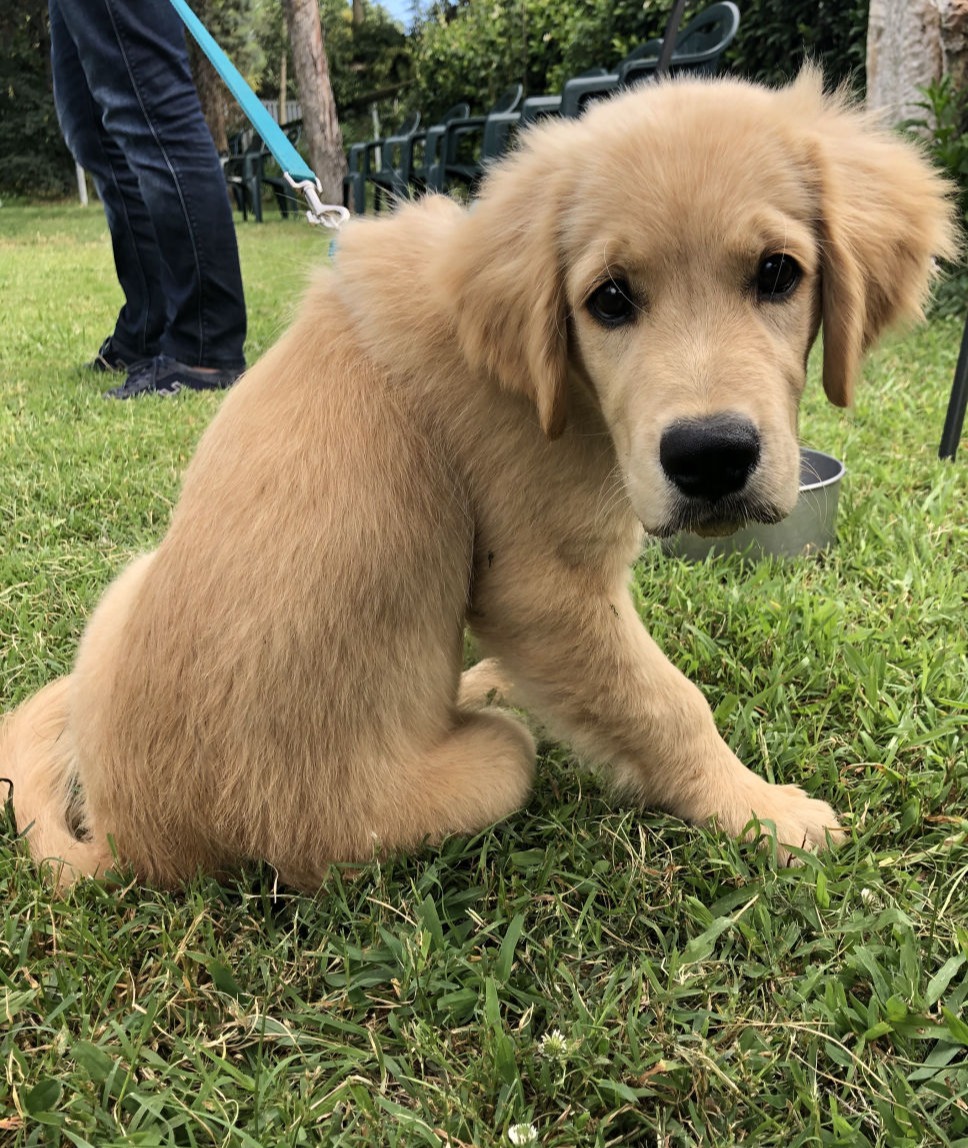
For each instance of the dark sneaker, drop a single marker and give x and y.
(112, 357)
(165, 376)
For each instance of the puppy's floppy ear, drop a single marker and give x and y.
(503, 277)
(885, 215)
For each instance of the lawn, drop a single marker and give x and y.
(582, 974)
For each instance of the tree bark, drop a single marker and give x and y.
(211, 95)
(954, 41)
(911, 43)
(283, 87)
(321, 130)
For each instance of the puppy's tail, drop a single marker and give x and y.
(36, 762)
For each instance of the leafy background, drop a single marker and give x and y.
(453, 52)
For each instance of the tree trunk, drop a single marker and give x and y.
(283, 88)
(357, 13)
(911, 43)
(324, 140)
(211, 95)
(954, 41)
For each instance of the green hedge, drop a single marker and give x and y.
(776, 36)
(33, 157)
(473, 50)
(468, 51)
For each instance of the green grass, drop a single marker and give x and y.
(701, 995)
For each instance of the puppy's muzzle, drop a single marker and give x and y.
(714, 465)
(710, 459)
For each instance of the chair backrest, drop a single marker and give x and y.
(393, 149)
(709, 33)
(499, 123)
(640, 62)
(508, 100)
(431, 139)
(408, 127)
(643, 52)
(699, 46)
(538, 107)
(580, 91)
(240, 141)
(456, 112)
(356, 159)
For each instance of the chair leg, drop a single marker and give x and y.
(252, 184)
(354, 192)
(436, 177)
(957, 404)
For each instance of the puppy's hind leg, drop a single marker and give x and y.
(37, 764)
(485, 684)
(480, 773)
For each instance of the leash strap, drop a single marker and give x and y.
(295, 169)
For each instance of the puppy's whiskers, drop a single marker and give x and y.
(611, 493)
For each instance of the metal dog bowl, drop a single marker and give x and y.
(809, 528)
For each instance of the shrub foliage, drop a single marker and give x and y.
(33, 158)
(475, 49)
(469, 50)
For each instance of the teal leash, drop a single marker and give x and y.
(294, 168)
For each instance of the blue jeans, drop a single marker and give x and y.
(130, 114)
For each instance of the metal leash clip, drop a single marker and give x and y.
(323, 214)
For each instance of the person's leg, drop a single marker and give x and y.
(141, 321)
(136, 65)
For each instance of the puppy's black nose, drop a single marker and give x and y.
(710, 458)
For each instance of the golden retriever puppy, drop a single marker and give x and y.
(470, 422)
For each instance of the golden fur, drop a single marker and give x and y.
(447, 436)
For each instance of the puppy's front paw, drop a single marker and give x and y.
(796, 819)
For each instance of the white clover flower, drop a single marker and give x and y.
(553, 1045)
(523, 1134)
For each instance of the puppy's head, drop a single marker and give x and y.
(671, 255)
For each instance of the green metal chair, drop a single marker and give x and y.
(243, 172)
(698, 48)
(381, 162)
(500, 127)
(425, 148)
(461, 152)
(287, 198)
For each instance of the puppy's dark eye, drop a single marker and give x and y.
(612, 303)
(777, 277)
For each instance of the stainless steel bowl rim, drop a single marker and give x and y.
(838, 474)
